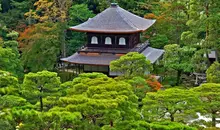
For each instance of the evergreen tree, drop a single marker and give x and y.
(173, 104)
(179, 59)
(131, 65)
(209, 94)
(40, 85)
(213, 73)
(203, 32)
(43, 47)
(100, 100)
(9, 55)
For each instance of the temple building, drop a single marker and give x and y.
(111, 34)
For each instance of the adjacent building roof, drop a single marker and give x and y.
(151, 54)
(114, 20)
(212, 54)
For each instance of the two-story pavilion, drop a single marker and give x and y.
(111, 34)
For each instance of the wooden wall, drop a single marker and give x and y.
(131, 40)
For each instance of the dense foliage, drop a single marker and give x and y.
(34, 35)
(131, 65)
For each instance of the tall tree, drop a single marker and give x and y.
(213, 73)
(159, 41)
(52, 11)
(9, 61)
(179, 59)
(78, 13)
(8, 84)
(37, 86)
(131, 65)
(10, 57)
(202, 23)
(8, 103)
(9, 99)
(210, 96)
(140, 87)
(199, 61)
(43, 47)
(26, 118)
(49, 10)
(101, 100)
(171, 16)
(173, 104)
(13, 11)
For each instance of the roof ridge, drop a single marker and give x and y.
(125, 19)
(114, 20)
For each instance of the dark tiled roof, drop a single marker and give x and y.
(101, 59)
(151, 54)
(212, 54)
(114, 20)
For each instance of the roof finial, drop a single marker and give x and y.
(114, 4)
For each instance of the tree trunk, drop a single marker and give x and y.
(41, 99)
(207, 15)
(207, 31)
(94, 120)
(41, 103)
(171, 117)
(64, 44)
(213, 119)
(178, 77)
(177, 34)
(111, 123)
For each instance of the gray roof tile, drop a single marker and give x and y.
(151, 54)
(115, 20)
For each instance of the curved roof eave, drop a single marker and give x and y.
(114, 20)
(105, 31)
(75, 28)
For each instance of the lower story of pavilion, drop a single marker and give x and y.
(99, 62)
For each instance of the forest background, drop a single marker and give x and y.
(34, 35)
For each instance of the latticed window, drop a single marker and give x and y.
(94, 40)
(108, 41)
(122, 41)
